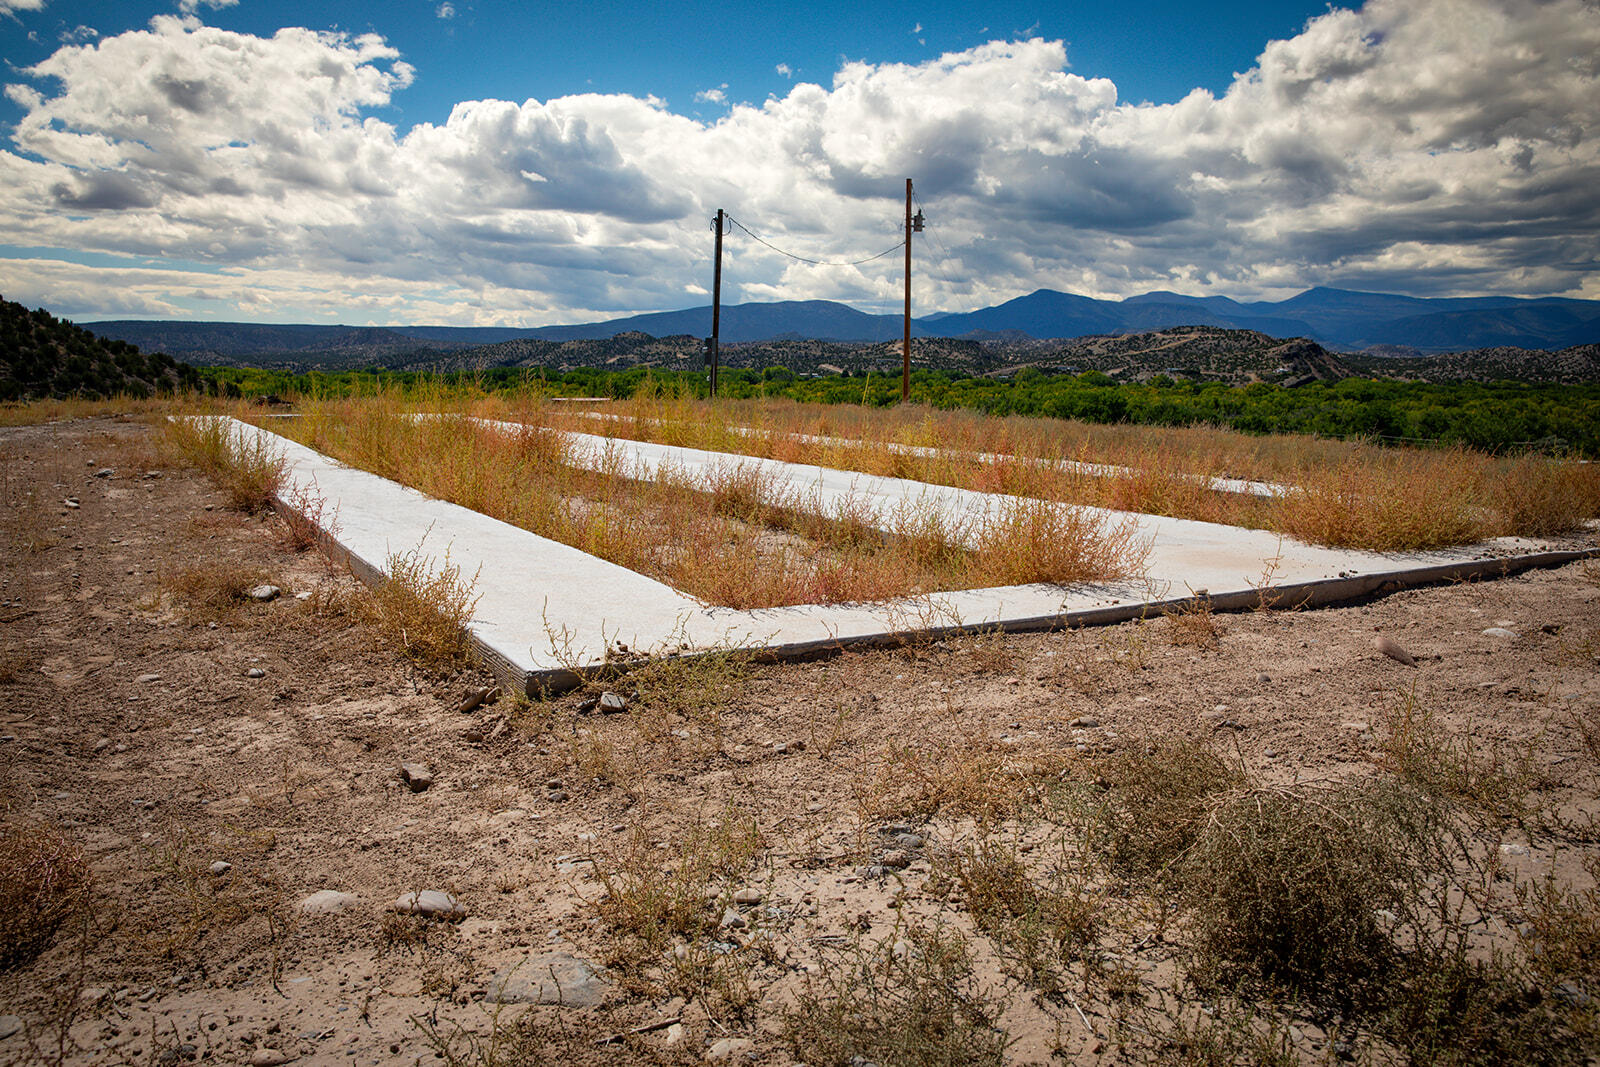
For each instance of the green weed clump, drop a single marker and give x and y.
(44, 884)
(909, 1001)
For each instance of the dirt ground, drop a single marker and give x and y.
(168, 735)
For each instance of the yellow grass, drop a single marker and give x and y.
(1343, 494)
(729, 536)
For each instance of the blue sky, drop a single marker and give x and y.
(1154, 50)
(474, 161)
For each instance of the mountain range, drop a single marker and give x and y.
(1340, 319)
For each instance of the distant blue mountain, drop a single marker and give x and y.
(1337, 318)
(822, 320)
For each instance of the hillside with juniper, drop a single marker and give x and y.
(42, 356)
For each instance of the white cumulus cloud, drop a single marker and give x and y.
(1418, 145)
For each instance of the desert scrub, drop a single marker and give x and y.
(1284, 891)
(1149, 805)
(241, 464)
(44, 884)
(208, 591)
(423, 606)
(907, 1001)
(1040, 923)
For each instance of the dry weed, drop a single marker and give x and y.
(44, 883)
(423, 606)
(908, 1001)
(211, 590)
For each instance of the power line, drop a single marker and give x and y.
(815, 262)
(944, 253)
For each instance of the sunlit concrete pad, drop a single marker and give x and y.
(1242, 486)
(547, 610)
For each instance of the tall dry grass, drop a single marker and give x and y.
(729, 534)
(1343, 494)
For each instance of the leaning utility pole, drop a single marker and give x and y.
(716, 306)
(913, 225)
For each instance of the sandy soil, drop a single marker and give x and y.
(130, 717)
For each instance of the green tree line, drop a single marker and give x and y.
(1498, 416)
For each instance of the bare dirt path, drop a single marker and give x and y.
(220, 761)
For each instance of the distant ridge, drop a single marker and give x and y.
(1340, 319)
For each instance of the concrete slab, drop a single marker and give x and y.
(548, 611)
(1092, 470)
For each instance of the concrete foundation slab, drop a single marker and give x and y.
(548, 612)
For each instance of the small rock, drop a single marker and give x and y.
(553, 979)
(612, 704)
(255, 672)
(272, 1057)
(909, 841)
(554, 783)
(1084, 722)
(1393, 649)
(556, 796)
(1501, 632)
(104, 472)
(220, 868)
(477, 697)
(146, 679)
(748, 895)
(71, 503)
(896, 859)
(729, 1048)
(416, 775)
(1263, 678)
(325, 902)
(1356, 726)
(1570, 993)
(9, 1025)
(674, 1035)
(732, 920)
(304, 594)
(1511, 848)
(430, 902)
(264, 593)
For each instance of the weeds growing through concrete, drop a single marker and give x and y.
(728, 534)
(1342, 494)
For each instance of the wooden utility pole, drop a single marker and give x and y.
(716, 307)
(913, 225)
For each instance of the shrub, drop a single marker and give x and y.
(424, 607)
(909, 1000)
(1284, 891)
(1155, 804)
(44, 882)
